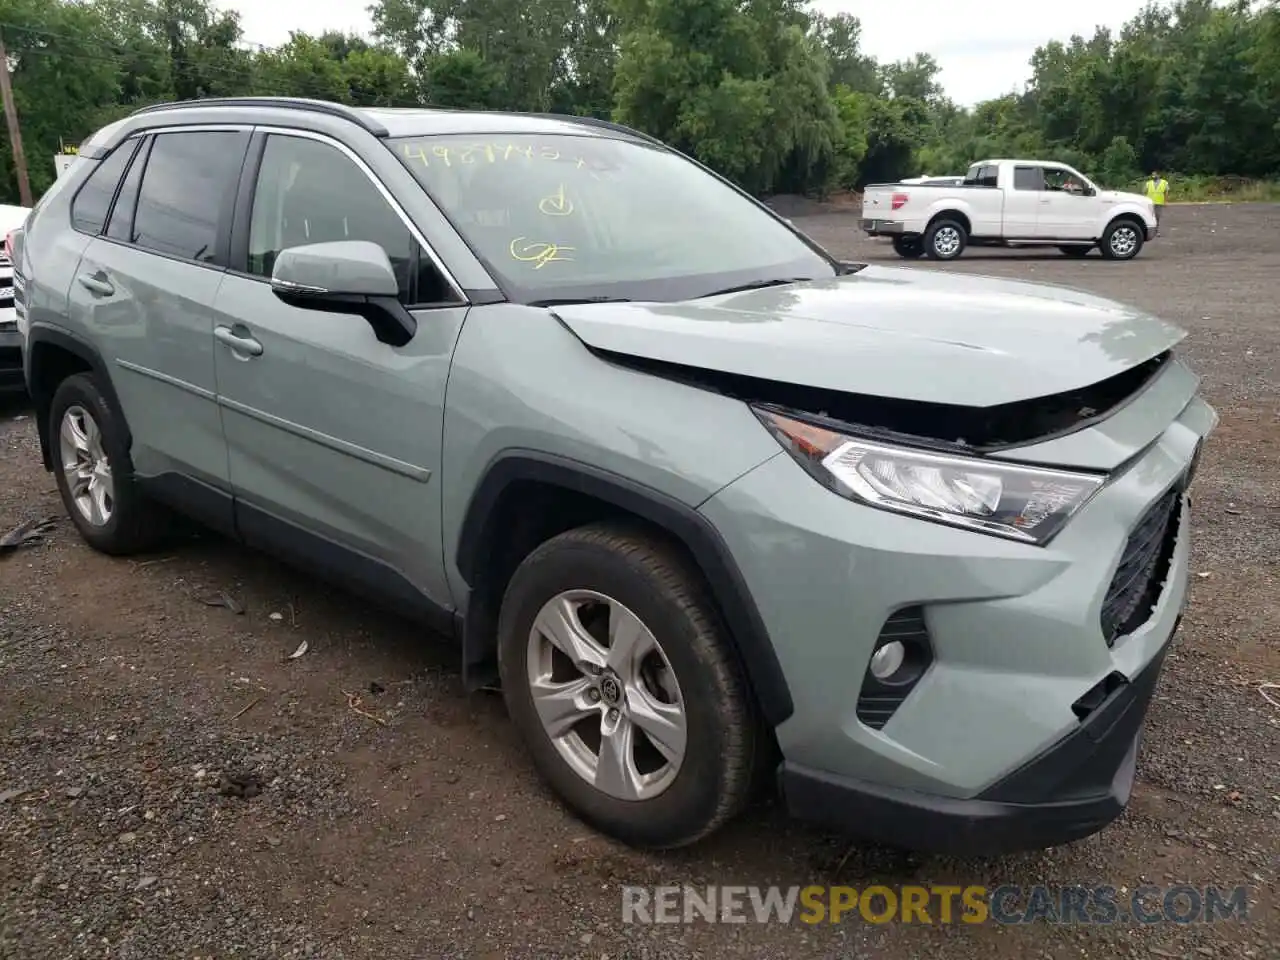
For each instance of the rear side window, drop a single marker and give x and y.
(1028, 178)
(187, 188)
(120, 226)
(90, 206)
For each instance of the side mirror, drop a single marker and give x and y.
(346, 276)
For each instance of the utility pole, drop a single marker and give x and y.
(15, 133)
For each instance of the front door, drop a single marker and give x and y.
(334, 437)
(1066, 212)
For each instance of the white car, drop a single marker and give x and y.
(1009, 203)
(11, 217)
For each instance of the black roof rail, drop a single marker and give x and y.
(286, 103)
(603, 124)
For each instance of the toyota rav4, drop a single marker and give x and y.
(714, 508)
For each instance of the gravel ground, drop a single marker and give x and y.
(171, 785)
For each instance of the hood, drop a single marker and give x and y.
(1121, 196)
(891, 332)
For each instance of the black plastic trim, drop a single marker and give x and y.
(746, 627)
(340, 565)
(200, 501)
(1070, 791)
(242, 212)
(287, 103)
(39, 336)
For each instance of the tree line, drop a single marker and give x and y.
(770, 93)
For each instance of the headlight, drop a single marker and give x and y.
(1030, 504)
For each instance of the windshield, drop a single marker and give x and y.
(564, 217)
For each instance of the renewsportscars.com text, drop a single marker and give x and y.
(937, 904)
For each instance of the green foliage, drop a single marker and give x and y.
(769, 93)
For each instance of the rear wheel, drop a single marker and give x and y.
(908, 247)
(945, 240)
(1122, 240)
(619, 677)
(1077, 250)
(95, 473)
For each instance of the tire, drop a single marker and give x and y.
(945, 240)
(908, 249)
(1077, 250)
(636, 574)
(113, 516)
(1122, 240)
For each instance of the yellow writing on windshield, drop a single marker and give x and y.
(538, 252)
(556, 205)
(449, 155)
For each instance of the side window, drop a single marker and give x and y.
(188, 186)
(990, 176)
(90, 206)
(120, 226)
(310, 192)
(1028, 178)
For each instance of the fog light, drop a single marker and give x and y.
(886, 661)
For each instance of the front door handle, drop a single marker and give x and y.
(239, 340)
(97, 284)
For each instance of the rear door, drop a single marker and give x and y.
(333, 436)
(1022, 202)
(145, 290)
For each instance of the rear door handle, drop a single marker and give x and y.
(239, 340)
(97, 284)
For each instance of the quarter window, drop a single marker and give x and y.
(188, 187)
(90, 206)
(310, 192)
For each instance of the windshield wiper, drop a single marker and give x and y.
(758, 285)
(566, 301)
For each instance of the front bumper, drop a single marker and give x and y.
(1070, 791)
(992, 749)
(11, 377)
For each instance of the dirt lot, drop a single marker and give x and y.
(125, 702)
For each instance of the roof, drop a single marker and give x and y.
(387, 121)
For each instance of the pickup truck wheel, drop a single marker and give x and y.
(1122, 240)
(908, 249)
(1077, 250)
(945, 240)
(618, 675)
(95, 475)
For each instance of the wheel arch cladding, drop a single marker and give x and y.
(52, 356)
(491, 545)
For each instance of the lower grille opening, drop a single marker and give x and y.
(1144, 567)
(881, 695)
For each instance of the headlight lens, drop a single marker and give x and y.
(1030, 504)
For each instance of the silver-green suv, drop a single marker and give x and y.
(712, 506)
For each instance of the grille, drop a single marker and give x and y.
(1143, 567)
(877, 701)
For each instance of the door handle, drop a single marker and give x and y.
(1046, 200)
(97, 284)
(239, 342)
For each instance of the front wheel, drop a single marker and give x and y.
(908, 248)
(1122, 240)
(622, 683)
(945, 240)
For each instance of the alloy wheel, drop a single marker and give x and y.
(86, 466)
(607, 695)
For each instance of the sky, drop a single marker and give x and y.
(983, 49)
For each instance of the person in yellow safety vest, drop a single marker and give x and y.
(1156, 190)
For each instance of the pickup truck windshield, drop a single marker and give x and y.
(564, 217)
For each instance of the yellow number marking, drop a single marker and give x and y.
(537, 252)
(556, 205)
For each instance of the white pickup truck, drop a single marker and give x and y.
(1009, 203)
